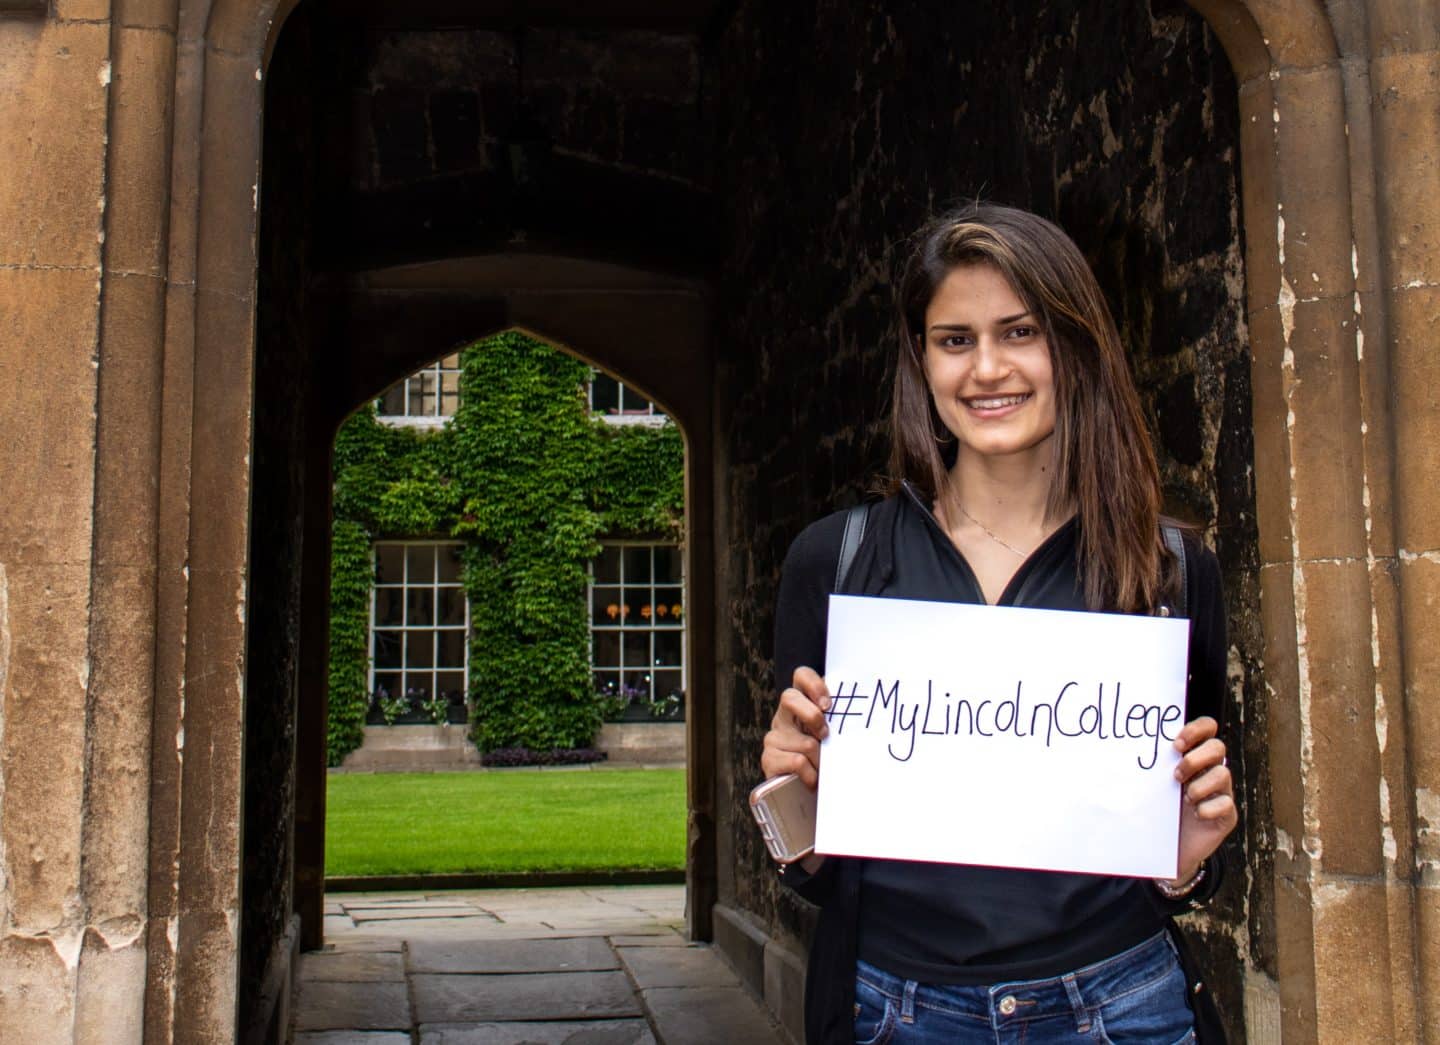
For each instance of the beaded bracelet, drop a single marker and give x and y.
(1173, 892)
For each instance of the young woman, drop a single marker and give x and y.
(1022, 475)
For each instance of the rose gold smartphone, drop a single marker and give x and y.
(785, 810)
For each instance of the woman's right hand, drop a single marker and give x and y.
(793, 743)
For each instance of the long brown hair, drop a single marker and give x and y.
(1105, 468)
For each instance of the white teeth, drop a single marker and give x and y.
(996, 403)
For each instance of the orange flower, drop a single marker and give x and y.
(612, 611)
(662, 610)
(645, 612)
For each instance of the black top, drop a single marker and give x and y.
(941, 923)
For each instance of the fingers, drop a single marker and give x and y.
(1196, 732)
(805, 764)
(1208, 785)
(809, 682)
(802, 706)
(793, 743)
(1199, 759)
(1212, 794)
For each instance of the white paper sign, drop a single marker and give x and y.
(1002, 736)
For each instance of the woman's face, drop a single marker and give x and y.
(988, 365)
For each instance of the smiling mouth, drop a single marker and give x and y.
(995, 402)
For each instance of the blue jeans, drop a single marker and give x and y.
(1138, 996)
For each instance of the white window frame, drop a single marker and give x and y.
(650, 628)
(437, 372)
(435, 585)
(650, 415)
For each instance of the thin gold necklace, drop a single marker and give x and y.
(991, 533)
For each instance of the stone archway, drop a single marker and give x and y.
(590, 308)
(1336, 300)
(162, 104)
(1307, 76)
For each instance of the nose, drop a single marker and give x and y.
(991, 363)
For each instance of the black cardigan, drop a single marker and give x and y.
(808, 579)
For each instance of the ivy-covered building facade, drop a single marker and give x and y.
(506, 553)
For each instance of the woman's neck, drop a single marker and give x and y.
(1009, 493)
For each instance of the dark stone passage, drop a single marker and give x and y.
(1116, 120)
(774, 155)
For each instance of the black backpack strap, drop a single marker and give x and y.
(1176, 544)
(850, 541)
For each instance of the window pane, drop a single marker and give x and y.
(667, 565)
(389, 564)
(451, 649)
(421, 563)
(420, 606)
(667, 683)
(449, 563)
(452, 606)
(674, 611)
(451, 685)
(637, 565)
(414, 397)
(392, 402)
(604, 394)
(607, 682)
(418, 685)
(389, 607)
(636, 684)
(451, 362)
(387, 649)
(387, 685)
(607, 565)
(667, 648)
(605, 605)
(419, 649)
(449, 393)
(636, 649)
(605, 649)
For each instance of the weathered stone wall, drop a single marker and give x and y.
(284, 416)
(77, 568)
(1119, 121)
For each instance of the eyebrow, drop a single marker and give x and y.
(1002, 321)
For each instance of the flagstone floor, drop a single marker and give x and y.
(598, 966)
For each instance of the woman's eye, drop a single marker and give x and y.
(1021, 333)
(955, 341)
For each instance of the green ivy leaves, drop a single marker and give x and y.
(530, 482)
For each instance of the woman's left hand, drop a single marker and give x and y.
(1207, 812)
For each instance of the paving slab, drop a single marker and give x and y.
(452, 929)
(576, 1032)
(677, 967)
(417, 903)
(522, 996)
(565, 954)
(413, 912)
(668, 938)
(354, 1037)
(352, 942)
(709, 1016)
(352, 966)
(352, 1006)
(336, 923)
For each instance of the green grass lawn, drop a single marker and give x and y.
(500, 822)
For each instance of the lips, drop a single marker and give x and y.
(995, 402)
